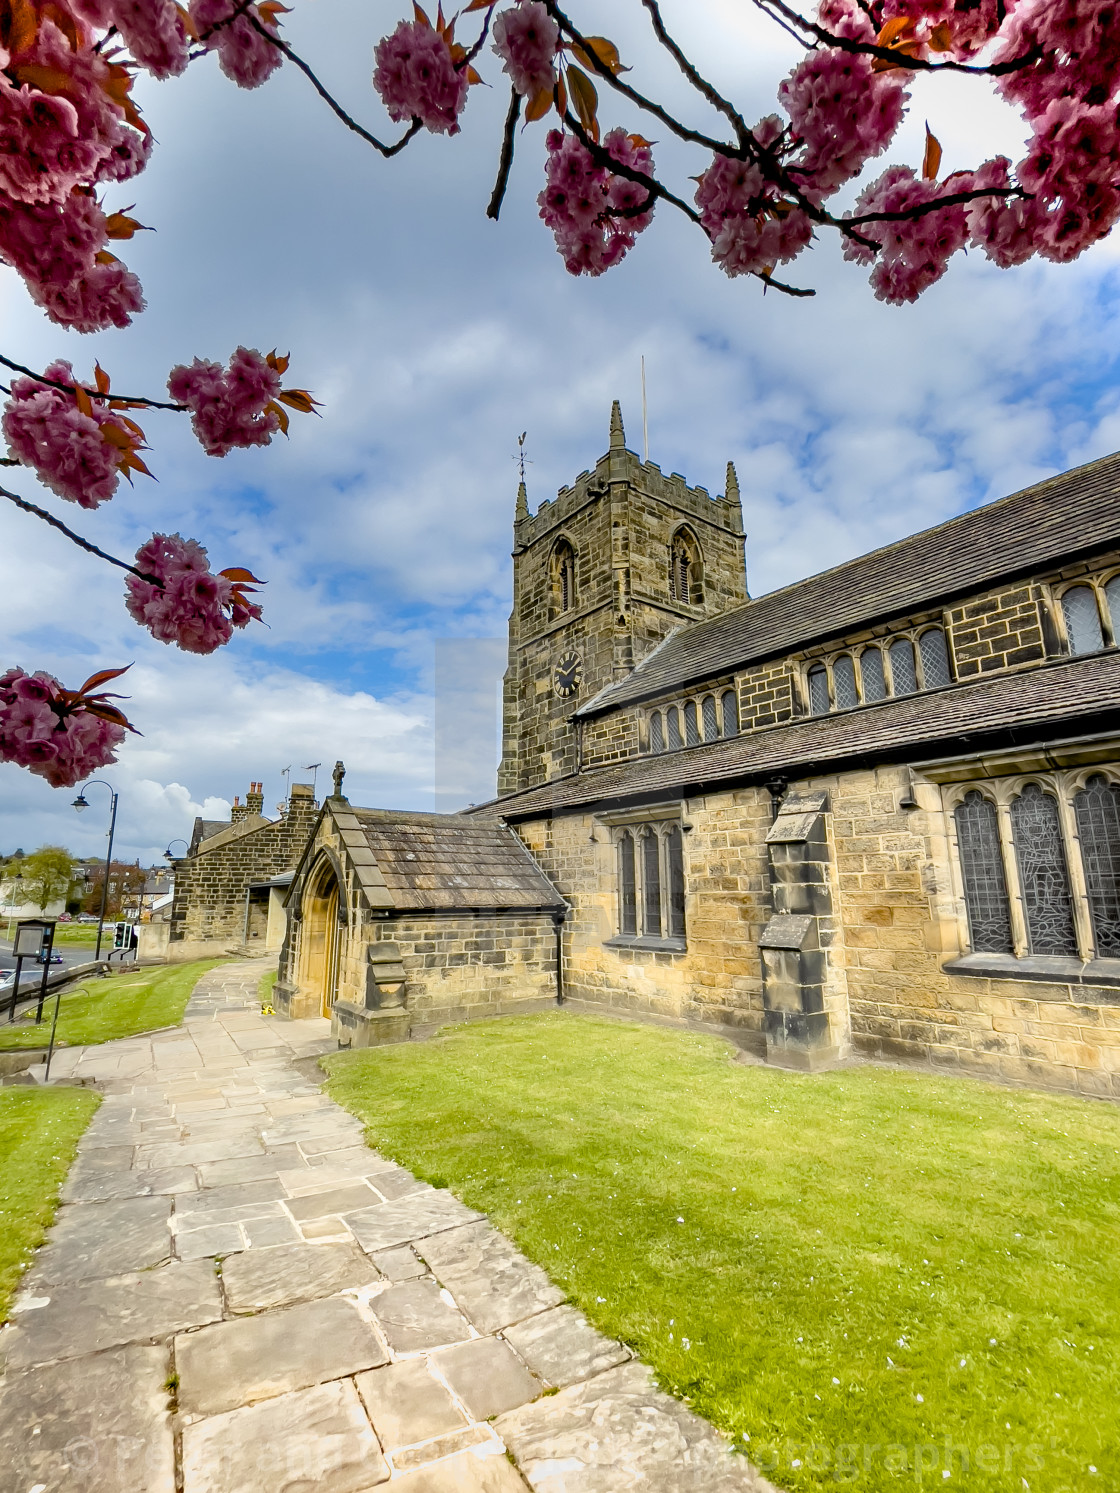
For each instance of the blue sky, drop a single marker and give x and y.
(433, 338)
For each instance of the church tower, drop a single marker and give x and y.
(601, 574)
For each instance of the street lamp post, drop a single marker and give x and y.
(81, 803)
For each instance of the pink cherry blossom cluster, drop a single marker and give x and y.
(229, 407)
(46, 430)
(42, 731)
(526, 39)
(584, 203)
(751, 225)
(417, 78)
(154, 31)
(190, 606)
(244, 55)
(914, 252)
(843, 113)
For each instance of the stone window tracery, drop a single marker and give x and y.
(1039, 863)
(711, 718)
(1090, 613)
(563, 576)
(730, 704)
(685, 568)
(850, 678)
(651, 882)
(705, 719)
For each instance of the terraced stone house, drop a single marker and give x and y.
(877, 811)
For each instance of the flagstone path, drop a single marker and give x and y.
(238, 1296)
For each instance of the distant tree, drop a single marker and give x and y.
(126, 884)
(47, 874)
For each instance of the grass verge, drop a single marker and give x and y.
(120, 1006)
(266, 985)
(39, 1133)
(867, 1278)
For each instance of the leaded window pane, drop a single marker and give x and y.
(730, 705)
(674, 728)
(903, 676)
(818, 690)
(844, 683)
(651, 886)
(627, 886)
(1112, 596)
(674, 854)
(1083, 621)
(711, 718)
(871, 672)
(656, 734)
(935, 659)
(985, 888)
(1042, 872)
(1098, 827)
(691, 732)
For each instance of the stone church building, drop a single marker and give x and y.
(876, 812)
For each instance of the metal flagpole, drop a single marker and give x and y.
(645, 414)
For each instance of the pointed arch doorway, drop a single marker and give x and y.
(322, 937)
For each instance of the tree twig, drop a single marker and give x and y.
(54, 383)
(954, 199)
(716, 99)
(505, 160)
(56, 523)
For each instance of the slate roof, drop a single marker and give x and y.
(453, 861)
(1072, 697)
(1074, 513)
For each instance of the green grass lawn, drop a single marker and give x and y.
(120, 1006)
(39, 1133)
(82, 933)
(266, 985)
(864, 1277)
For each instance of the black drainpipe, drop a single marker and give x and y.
(558, 921)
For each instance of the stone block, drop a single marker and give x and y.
(316, 1438)
(491, 1280)
(399, 1264)
(93, 1240)
(561, 1347)
(234, 1201)
(255, 1358)
(415, 1317)
(466, 1473)
(104, 1430)
(415, 1216)
(479, 1438)
(406, 1404)
(110, 1186)
(89, 1317)
(263, 1278)
(488, 1376)
(335, 1200)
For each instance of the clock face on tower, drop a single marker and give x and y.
(569, 672)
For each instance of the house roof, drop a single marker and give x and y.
(1074, 513)
(1077, 695)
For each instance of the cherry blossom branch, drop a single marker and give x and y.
(331, 102)
(893, 55)
(54, 383)
(56, 523)
(505, 160)
(239, 10)
(954, 199)
(716, 99)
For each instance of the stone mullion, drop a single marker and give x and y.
(1075, 868)
(1019, 935)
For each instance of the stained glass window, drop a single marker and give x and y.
(818, 690)
(1083, 621)
(711, 718)
(674, 728)
(985, 889)
(691, 731)
(935, 659)
(627, 886)
(651, 885)
(1112, 596)
(730, 707)
(674, 853)
(656, 734)
(871, 672)
(903, 675)
(1042, 872)
(844, 683)
(1098, 826)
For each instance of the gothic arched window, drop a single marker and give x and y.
(1098, 827)
(844, 682)
(872, 675)
(985, 887)
(674, 728)
(730, 706)
(627, 885)
(1041, 858)
(903, 674)
(563, 576)
(651, 884)
(674, 854)
(685, 578)
(691, 730)
(1083, 620)
(935, 659)
(711, 718)
(656, 734)
(818, 690)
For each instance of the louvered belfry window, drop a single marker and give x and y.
(1097, 807)
(1043, 877)
(985, 887)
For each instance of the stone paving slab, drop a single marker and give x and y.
(254, 1358)
(105, 1430)
(78, 1319)
(327, 1321)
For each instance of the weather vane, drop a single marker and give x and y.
(521, 458)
